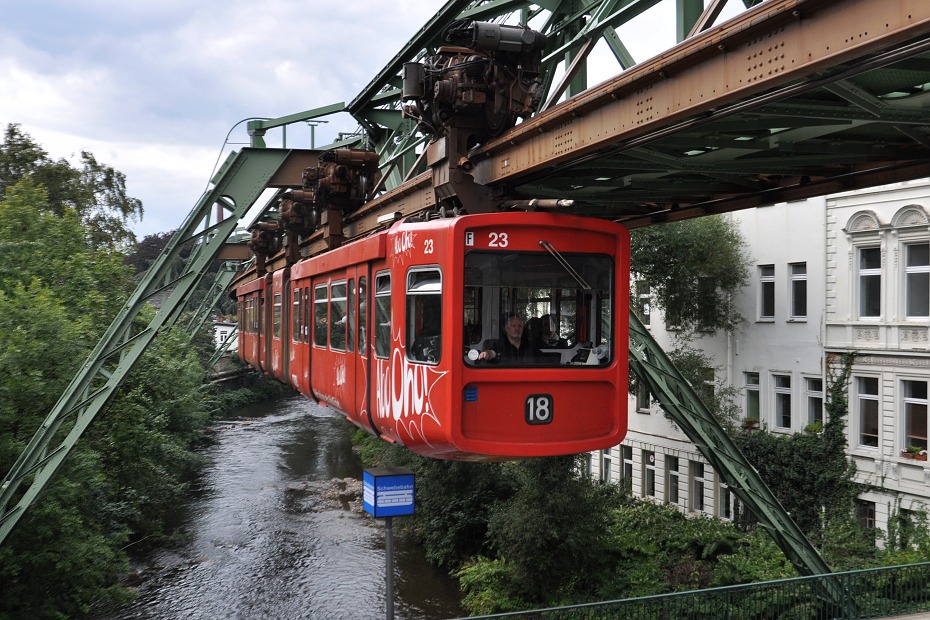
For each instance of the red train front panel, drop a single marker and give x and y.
(566, 280)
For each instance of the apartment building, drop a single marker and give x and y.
(848, 272)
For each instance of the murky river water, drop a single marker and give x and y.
(267, 540)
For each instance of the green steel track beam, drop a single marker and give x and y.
(236, 187)
(651, 365)
(258, 127)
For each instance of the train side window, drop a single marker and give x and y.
(295, 316)
(424, 315)
(382, 315)
(320, 303)
(363, 316)
(350, 317)
(277, 315)
(337, 316)
(305, 320)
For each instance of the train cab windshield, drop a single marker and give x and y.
(538, 309)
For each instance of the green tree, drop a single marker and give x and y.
(59, 288)
(694, 268)
(551, 531)
(814, 496)
(95, 191)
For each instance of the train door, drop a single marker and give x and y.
(266, 322)
(363, 400)
(380, 375)
(332, 353)
(299, 349)
(279, 324)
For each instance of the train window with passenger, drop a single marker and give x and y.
(337, 316)
(277, 315)
(540, 308)
(320, 303)
(382, 314)
(363, 316)
(424, 315)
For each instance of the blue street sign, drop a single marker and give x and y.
(388, 491)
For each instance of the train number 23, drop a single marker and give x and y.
(498, 240)
(537, 409)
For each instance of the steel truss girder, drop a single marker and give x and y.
(236, 187)
(678, 399)
(224, 277)
(573, 28)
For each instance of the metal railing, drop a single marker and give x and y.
(878, 593)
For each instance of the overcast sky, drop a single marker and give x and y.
(153, 88)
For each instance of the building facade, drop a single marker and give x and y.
(844, 273)
(878, 306)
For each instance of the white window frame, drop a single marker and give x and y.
(643, 397)
(909, 401)
(753, 391)
(672, 477)
(766, 283)
(605, 465)
(797, 275)
(649, 473)
(781, 394)
(724, 500)
(627, 453)
(814, 399)
(697, 472)
(915, 270)
(872, 398)
(869, 272)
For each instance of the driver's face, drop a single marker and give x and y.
(515, 327)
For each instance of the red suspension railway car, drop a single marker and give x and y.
(389, 330)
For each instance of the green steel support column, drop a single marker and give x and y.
(230, 337)
(687, 12)
(679, 400)
(224, 278)
(237, 186)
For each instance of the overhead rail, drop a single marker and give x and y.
(791, 99)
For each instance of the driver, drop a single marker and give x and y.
(513, 347)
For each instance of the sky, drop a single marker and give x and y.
(153, 89)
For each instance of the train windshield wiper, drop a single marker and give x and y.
(565, 265)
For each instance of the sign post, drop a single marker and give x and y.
(388, 492)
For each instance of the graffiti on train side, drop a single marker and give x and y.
(404, 392)
(404, 243)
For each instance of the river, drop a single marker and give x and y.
(268, 538)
